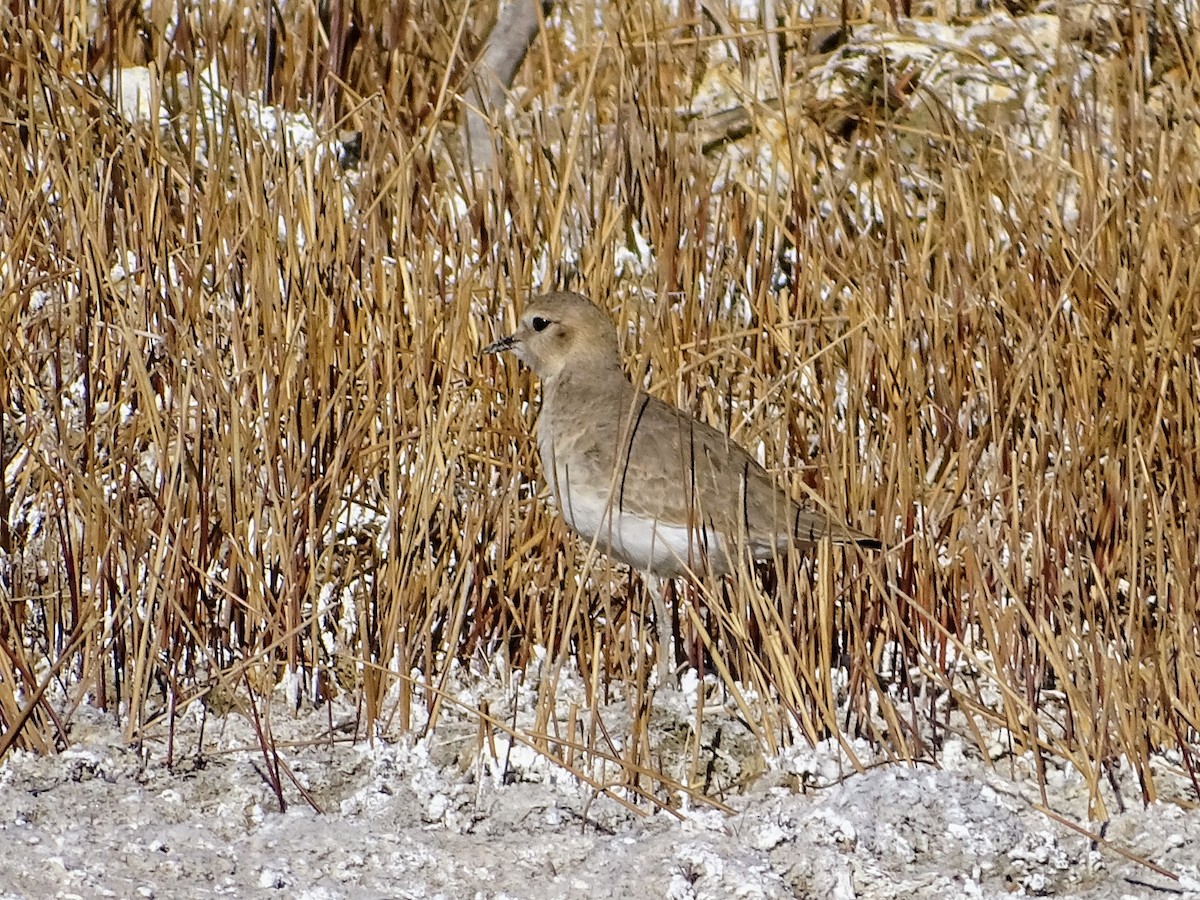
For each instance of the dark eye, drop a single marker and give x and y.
(539, 323)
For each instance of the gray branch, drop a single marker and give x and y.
(497, 65)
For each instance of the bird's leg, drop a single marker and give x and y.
(666, 650)
(692, 643)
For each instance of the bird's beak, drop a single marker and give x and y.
(506, 343)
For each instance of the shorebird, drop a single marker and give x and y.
(645, 482)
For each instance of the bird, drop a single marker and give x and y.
(644, 481)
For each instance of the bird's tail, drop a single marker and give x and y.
(810, 527)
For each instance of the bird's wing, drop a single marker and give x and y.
(693, 474)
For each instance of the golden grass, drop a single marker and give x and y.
(245, 430)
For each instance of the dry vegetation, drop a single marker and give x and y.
(245, 433)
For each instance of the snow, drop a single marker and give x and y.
(433, 817)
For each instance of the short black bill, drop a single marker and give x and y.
(501, 345)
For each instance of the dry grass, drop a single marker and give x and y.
(245, 432)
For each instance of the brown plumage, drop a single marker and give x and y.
(650, 484)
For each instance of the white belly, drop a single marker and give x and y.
(667, 550)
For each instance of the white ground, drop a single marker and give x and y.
(434, 818)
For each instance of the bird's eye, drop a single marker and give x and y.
(540, 324)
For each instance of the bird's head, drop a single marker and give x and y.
(561, 329)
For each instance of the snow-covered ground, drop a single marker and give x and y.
(434, 818)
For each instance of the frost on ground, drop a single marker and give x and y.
(430, 818)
